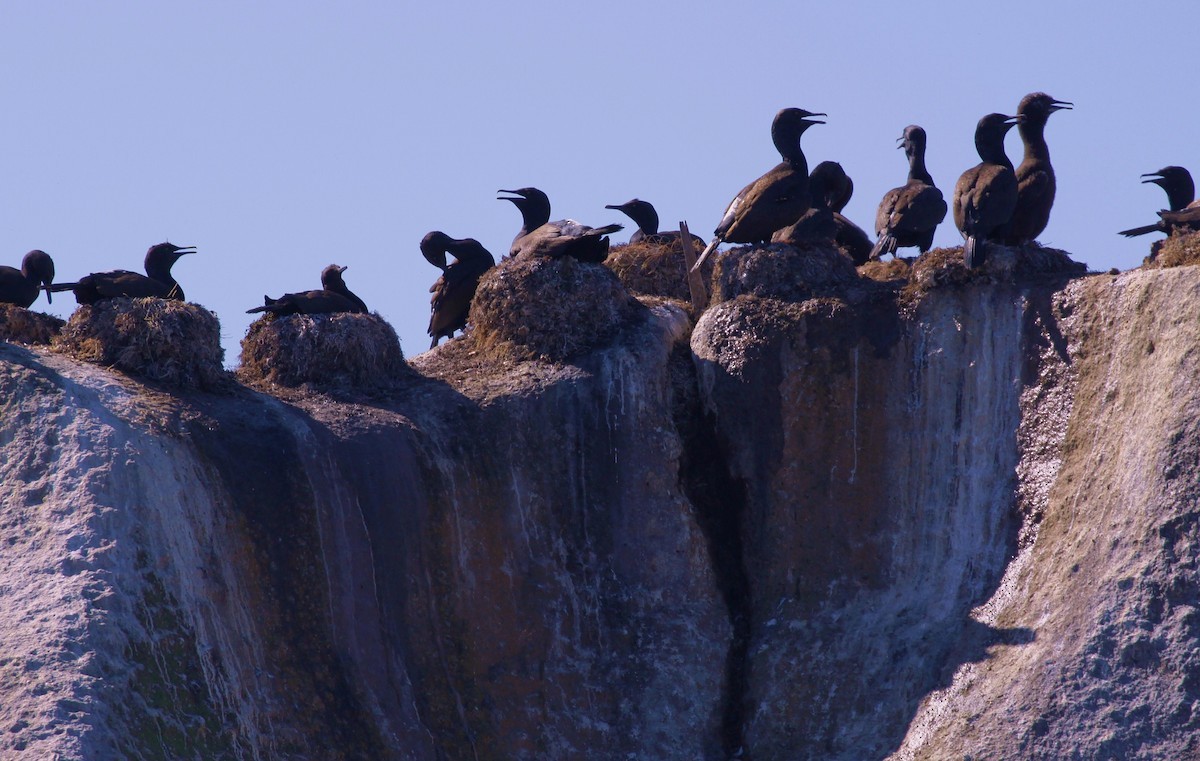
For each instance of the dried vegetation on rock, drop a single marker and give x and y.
(20, 325)
(781, 271)
(655, 269)
(1177, 250)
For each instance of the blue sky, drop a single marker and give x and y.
(280, 137)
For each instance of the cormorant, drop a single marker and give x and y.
(816, 225)
(539, 236)
(986, 194)
(333, 297)
(839, 189)
(1035, 175)
(643, 213)
(909, 215)
(156, 283)
(1177, 182)
(453, 291)
(21, 286)
(776, 199)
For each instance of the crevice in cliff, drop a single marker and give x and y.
(719, 501)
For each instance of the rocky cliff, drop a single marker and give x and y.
(852, 522)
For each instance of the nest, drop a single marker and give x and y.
(1178, 250)
(941, 267)
(170, 342)
(895, 270)
(329, 352)
(782, 271)
(655, 269)
(554, 309)
(19, 325)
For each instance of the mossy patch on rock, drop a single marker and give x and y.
(554, 309)
(20, 325)
(781, 271)
(1178, 250)
(331, 352)
(171, 342)
(655, 269)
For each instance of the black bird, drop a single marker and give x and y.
(156, 283)
(1177, 182)
(775, 200)
(909, 215)
(539, 236)
(816, 225)
(839, 189)
(453, 291)
(21, 286)
(986, 194)
(1035, 175)
(333, 297)
(643, 213)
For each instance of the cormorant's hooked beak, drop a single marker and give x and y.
(810, 120)
(519, 197)
(618, 207)
(49, 294)
(1060, 105)
(343, 268)
(181, 250)
(1012, 121)
(901, 140)
(1155, 177)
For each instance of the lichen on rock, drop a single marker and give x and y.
(341, 351)
(171, 342)
(554, 309)
(781, 271)
(20, 325)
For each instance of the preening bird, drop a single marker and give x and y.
(156, 283)
(816, 225)
(539, 236)
(1181, 192)
(909, 215)
(839, 189)
(775, 200)
(333, 297)
(21, 286)
(986, 194)
(454, 290)
(644, 214)
(1035, 175)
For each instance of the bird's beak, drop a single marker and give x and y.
(613, 206)
(1154, 177)
(343, 268)
(811, 120)
(900, 140)
(1060, 105)
(511, 192)
(1013, 120)
(181, 250)
(49, 295)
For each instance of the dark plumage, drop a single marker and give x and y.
(816, 225)
(1177, 182)
(539, 236)
(839, 189)
(21, 286)
(986, 194)
(643, 213)
(333, 297)
(909, 215)
(775, 200)
(156, 283)
(453, 291)
(1035, 176)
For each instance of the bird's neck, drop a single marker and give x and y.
(1033, 135)
(1180, 195)
(160, 272)
(916, 167)
(647, 220)
(993, 153)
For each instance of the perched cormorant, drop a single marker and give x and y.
(986, 194)
(156, 283)
(539, 236)
(1177, 182)
(909, 215)
(816, 225)
(839, 189)
(643, 213)
(453, 291)
(775, 200)
(21, 286)
(333, 297)
(1035, 175)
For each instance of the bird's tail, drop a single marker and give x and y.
(1141, 230)
(60, 287)
(885, 245)
(597, 231)
(973, 253)
(268, 302)
(712, 246)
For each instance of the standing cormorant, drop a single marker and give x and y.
(156, 283)
(21, 286)
(453, 291)
(776, 199)
(909, 215)
(986, 194)
(539, 236)
(333, 297)
(839, 189)
(1177, 182)
(1035, 175)
(643, 213)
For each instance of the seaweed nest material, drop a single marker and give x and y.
(553, 309)
(330, 352)
(1178, 250)
(655, 269)
(941, 267)
(170, 342)
(782, 271)
(19, 325)
(894, 270)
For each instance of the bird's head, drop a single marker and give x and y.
(38, 266)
